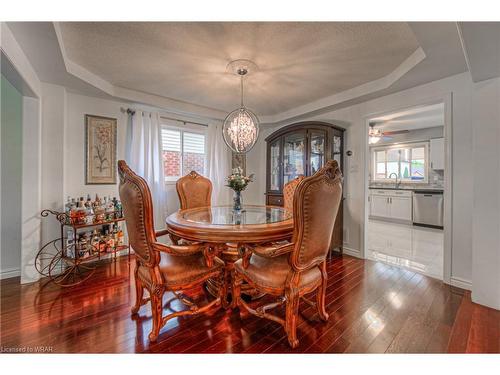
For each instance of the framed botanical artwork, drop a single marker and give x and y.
(100, 150)
(239, 160)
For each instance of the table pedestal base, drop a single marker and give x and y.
(230, 255)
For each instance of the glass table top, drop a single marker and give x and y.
(225, 215)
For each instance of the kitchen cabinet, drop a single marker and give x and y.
(391, 204)
(400, 208)
(437, 153)
(379, 206)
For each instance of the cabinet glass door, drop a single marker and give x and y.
(274, 176)
(337, 150)
(294, 156)
(316, 150)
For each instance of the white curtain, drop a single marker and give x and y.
(145, 159)
(218, 164)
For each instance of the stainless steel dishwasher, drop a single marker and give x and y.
(428, 208)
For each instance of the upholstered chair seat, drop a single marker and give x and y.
(180, 270)
(272, 273)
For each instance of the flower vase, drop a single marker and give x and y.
(237, 201)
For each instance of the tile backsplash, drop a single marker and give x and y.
(436, 180)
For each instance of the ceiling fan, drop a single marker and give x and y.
(375, 135)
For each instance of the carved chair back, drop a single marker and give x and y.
(289, 191)
(194, 190)
(315, 206)
(138, 212)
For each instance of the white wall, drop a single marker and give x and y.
(353, 119)
(74, 143)
(31, 188)
(53, 123)
(486, 197)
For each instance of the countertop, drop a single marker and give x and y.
(410, 188)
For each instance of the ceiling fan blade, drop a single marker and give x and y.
(395, 132)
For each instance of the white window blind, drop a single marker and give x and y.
(171, 140)
(194, 143)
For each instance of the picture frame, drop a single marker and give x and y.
(100, 150)
(239, 160)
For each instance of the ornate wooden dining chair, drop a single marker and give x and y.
(289, 191)
(290, 271)
(160, 268)
(194, 190)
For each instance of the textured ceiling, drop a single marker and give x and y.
(299, 62)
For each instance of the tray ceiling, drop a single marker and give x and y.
(299, 62)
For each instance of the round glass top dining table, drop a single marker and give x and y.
(222, 224)
(225, 215)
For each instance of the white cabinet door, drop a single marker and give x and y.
(437, 153)
(400, 208)
(379, 206)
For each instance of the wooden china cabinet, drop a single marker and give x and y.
(302, 149)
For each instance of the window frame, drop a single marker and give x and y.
(187, 128)
(409, 145)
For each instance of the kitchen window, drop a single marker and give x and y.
(183, 151)
(408, 162)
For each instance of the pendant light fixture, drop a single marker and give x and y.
(241, 126)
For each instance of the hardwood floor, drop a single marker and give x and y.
(373, 307)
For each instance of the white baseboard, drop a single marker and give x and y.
(461, 283)
(351, 252)
(10, 272)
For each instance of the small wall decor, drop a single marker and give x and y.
(100, 150)
(239, 160)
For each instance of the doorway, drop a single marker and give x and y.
(408, 190)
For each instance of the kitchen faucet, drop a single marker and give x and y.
(397, 183)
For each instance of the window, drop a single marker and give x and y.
(183, 151)
(408, 162)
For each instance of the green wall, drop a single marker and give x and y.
(11, 109)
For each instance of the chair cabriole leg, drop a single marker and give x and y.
(292, 311)
(156, 309)
(321, 294)
(139, 292)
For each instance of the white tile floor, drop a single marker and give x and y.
(417, 248)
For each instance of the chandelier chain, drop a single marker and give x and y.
(241, 84)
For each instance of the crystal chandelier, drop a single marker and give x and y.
(241, 126)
